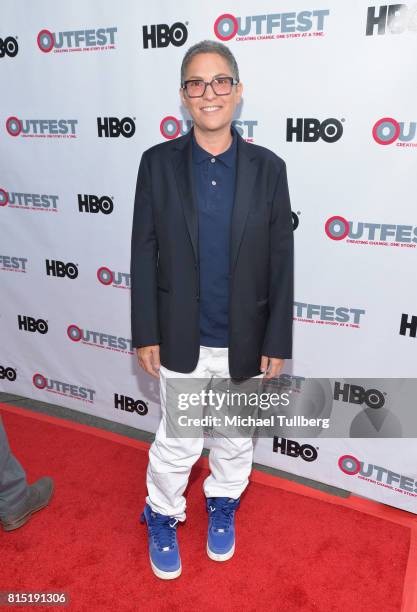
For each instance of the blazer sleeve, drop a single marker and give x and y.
(278, 335)
(143, 263)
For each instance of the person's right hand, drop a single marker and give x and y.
(148, 357)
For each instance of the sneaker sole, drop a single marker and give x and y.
(165, 575)
(24, 519)
(220, 556)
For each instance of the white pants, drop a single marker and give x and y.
(171, 459)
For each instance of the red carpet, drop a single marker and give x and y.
(297, 549)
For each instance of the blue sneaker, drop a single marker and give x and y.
(221, 527)
(163, 546)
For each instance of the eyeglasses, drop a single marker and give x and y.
(221, 86)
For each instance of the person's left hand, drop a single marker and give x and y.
(272, 366)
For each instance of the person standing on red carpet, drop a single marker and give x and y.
(211, 288)
(18, 499)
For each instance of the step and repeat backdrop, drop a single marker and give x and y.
(331, 88)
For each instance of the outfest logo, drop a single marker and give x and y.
(12, 263)
(108, 277)
(41, 128)
(378, 475)
(374, 234)
(96, 39)
(60, 387)
(387, 131)
(328, 314)
(271, 26)
(29, 201)
(171, 127)
(100, 339)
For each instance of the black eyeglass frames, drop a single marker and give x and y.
(221, 86)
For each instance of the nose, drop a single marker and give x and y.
(209, 93)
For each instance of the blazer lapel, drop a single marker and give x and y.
(244, 191)
(184, 175)
(244, 194)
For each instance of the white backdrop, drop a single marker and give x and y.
(66, 199)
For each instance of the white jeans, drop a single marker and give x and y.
(171, 459)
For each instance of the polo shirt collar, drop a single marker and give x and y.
(227, 157)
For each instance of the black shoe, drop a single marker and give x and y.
(40, 492)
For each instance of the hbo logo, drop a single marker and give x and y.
(162, 35)
(293, 449)
(9, 373)
(8, 46)
(124, 402)
(310, 130)
(355, 394)
(396, 18)
(94, 204)
(61, 269)
(32, 325)
(112, 127)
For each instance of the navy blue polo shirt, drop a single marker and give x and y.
(214, 181)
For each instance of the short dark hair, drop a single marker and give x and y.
(210, 46)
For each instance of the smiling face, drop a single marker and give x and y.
(211, 113)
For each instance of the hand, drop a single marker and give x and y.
(273, 368)
(148, 357)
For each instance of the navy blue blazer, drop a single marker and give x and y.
(165, 263)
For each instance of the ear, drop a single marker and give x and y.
(239, 90)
